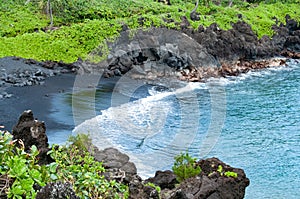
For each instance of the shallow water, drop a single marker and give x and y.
(250, 122)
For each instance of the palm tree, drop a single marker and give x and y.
(49, 10)
(193, 14)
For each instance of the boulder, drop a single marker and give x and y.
(32, 132)
(57, 190)
(211, 183)
(137, 189)
(164, 179)
(117, 164)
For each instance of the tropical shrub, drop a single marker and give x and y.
(20, 168)
(84, 173)
(185, 167)
(21, 174)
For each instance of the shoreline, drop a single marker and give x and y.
(57, 84)
(38, 97)
(35, 97)
(247, 173)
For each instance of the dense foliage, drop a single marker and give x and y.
(80, 26)
(19, 170)
(20, 174)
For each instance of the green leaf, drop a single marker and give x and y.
(27, 184)
(34, 151)
(52, 167)
(184, 167)
(220, 169)
(231, 174)
(53, 177)
(17, 166)
(16, 191)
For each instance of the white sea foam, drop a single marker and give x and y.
(254, 74)
(128, 125)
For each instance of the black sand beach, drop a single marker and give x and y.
(36, 97)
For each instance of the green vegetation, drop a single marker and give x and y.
(157, 188)
(230, 174)
(220, 169)
(81, 26)
(19, 170)
(185, 167)
(227, 173)
(73, 164)
(84, 173)
(20, 174)
(82, 141)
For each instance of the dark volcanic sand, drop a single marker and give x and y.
(36, 98)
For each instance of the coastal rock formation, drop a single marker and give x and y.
(138, 189)
(234, 69)
(58, 190)
(211, 183)
(241, 43)
(217, 180)
(32, 132)
(27, 72)
(150, 54)
(117, 165)
(160, 52)
(289, 54)
(164, 179)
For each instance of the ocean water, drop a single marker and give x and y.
(250, 122)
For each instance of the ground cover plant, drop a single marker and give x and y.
(20, 174)
(80, 26)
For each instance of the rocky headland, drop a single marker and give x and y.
(210, 183)
(186, 54)
(196, 55)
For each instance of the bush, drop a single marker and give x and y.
(74, 164)
(20, 20)
(185, 167)
(20, 168)
(84, 173)
(21, 174)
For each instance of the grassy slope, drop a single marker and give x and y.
(21, 35)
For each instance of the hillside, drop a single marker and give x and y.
(81, 26)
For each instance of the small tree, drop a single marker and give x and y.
(185, 167)
(49, 11)
(193, 14)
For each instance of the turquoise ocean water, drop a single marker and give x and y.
(250, 122)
